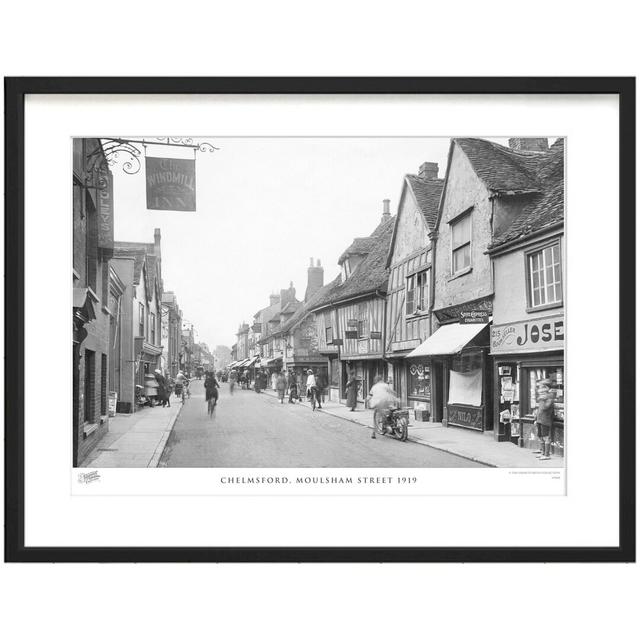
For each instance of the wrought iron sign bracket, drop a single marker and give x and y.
(114, 149)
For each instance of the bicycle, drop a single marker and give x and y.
(211, 406)
(315, 398)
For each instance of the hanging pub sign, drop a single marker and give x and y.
(171, 184)
(105, 210)
(352, 323)
(351, 335)
(376, 335)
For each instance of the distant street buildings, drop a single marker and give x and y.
(457, 298)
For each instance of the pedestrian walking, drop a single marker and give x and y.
(352, 391)
(281, 385)
(312, 388)
(293, 387)
(163, 391)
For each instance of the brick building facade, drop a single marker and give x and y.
(93, 298)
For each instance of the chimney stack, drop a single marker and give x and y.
(315, 279)
(428, 171)
(386, 214)
(529, 144)
(274, 298)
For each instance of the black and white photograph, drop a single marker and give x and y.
(318, 302)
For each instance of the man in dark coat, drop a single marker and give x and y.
(163, 391)
(352, 391)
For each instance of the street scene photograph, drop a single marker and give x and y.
(318, 302)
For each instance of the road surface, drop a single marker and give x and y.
(255, 430)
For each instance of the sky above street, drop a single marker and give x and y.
(264, 206)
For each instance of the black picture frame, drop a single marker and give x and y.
(15, 91)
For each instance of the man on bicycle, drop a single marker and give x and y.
(211, 388)
(312, 388)
(182, 382)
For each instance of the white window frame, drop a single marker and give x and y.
(543, 284)
(452, 224)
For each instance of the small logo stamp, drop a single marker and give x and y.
(90, 476)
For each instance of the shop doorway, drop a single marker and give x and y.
(437, 391)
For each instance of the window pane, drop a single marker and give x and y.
(536, 297)
(558, 292)
(461, 231)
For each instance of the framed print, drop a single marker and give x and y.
(320, 319)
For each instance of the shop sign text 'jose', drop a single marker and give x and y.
(171, 184)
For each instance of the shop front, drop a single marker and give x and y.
(450, 374)
(528, 365)
(365, 371)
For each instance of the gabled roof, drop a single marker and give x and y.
(369, 276)
(427, 193)
(502, 169)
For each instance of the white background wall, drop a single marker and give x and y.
(237, 601)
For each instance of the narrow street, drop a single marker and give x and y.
(255, 430)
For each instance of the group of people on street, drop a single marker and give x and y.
(166, 386)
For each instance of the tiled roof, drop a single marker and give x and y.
(501, 168)
(369, 276)
(546, 208)
(307, 307)
(360, 246)
(427, 193)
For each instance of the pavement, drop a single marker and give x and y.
(251, 430)
(255, 430)
(135, 439)
(473, 445)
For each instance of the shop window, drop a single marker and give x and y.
(328, 332)
(465, 379)
(419, 384)
(544, 276)
(461, 244)
(334, 363)
(543, 380)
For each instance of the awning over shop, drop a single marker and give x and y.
(240, 363)
(447, 340)
(250, 362)
(232, 365)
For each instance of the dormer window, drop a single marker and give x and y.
(346, 270)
